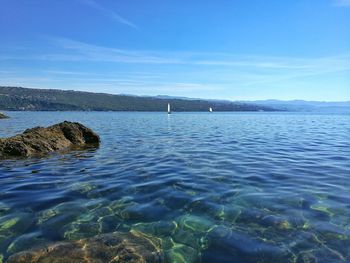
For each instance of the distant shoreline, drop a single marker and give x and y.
(24, 99)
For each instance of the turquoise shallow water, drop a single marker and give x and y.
(220, 187)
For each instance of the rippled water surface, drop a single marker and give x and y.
(221, 187)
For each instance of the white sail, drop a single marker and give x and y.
(210, 109)
(169, 111)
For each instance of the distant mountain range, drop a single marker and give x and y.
(24, 99)
(302, 105)
(288, 105)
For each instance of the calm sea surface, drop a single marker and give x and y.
(220, 187)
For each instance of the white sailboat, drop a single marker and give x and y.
(169, 111)
(210, 109)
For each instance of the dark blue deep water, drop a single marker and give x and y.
(220, 187)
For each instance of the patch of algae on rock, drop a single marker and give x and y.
(322, 208)
(9, 223)
(159, 229)
(181, 238)
(25, 241)
(195, 223)
(131, 247)
(12, 225)
(181, 254)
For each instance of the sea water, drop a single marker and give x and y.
(213, 187)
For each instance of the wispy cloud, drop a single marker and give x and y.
(84, 51)
(77, 65)
(108, 12)
(62, 49)
(345, 3)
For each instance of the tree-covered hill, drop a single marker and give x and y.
(17, 98)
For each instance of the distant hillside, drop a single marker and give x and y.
(302, 105)
(16, 98)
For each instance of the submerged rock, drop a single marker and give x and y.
(39, 140)
(3, 116)
(131, 247)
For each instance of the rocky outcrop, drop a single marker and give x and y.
(40, 141)
(131, 247)
(3, 116)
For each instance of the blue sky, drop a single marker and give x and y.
(223, 49)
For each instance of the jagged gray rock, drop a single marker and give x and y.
(40, 141)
